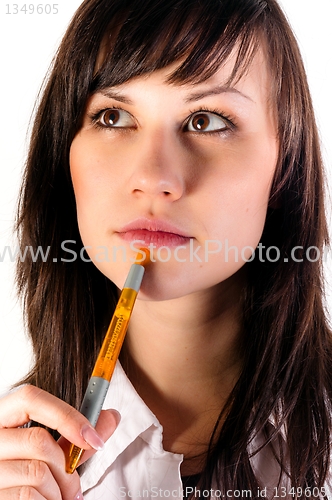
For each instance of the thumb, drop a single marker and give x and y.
(106, 425)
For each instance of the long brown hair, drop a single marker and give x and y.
(287, 340)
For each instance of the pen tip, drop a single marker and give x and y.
(143, 257)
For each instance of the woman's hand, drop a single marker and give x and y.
(32, 463)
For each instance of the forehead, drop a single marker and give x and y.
(254, 80)
(253, 83)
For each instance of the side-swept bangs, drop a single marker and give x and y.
(198, 35)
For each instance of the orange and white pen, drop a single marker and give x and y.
(103, 370)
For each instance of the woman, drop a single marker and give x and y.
(182, 125)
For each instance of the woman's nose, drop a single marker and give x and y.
(158, 168)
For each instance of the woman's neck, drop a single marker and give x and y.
(183, 357)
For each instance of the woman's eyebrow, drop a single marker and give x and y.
(196, 96)
(114, 94)
(220, 89)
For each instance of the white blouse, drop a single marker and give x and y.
(134, 465)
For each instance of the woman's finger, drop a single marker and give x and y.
(30, 403)
(20, 493)
(37, 445)
(32, 473)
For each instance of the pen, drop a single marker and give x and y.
(102, 373)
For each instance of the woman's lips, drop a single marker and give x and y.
(157, 238)
(159, 233)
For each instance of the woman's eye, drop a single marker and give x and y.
(116, 118)
(206, 122)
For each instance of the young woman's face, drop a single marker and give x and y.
(184, 169)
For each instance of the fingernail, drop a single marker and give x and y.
(79, 496)
(116, 415)
(92, 437)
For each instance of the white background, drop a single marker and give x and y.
(28, 43)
